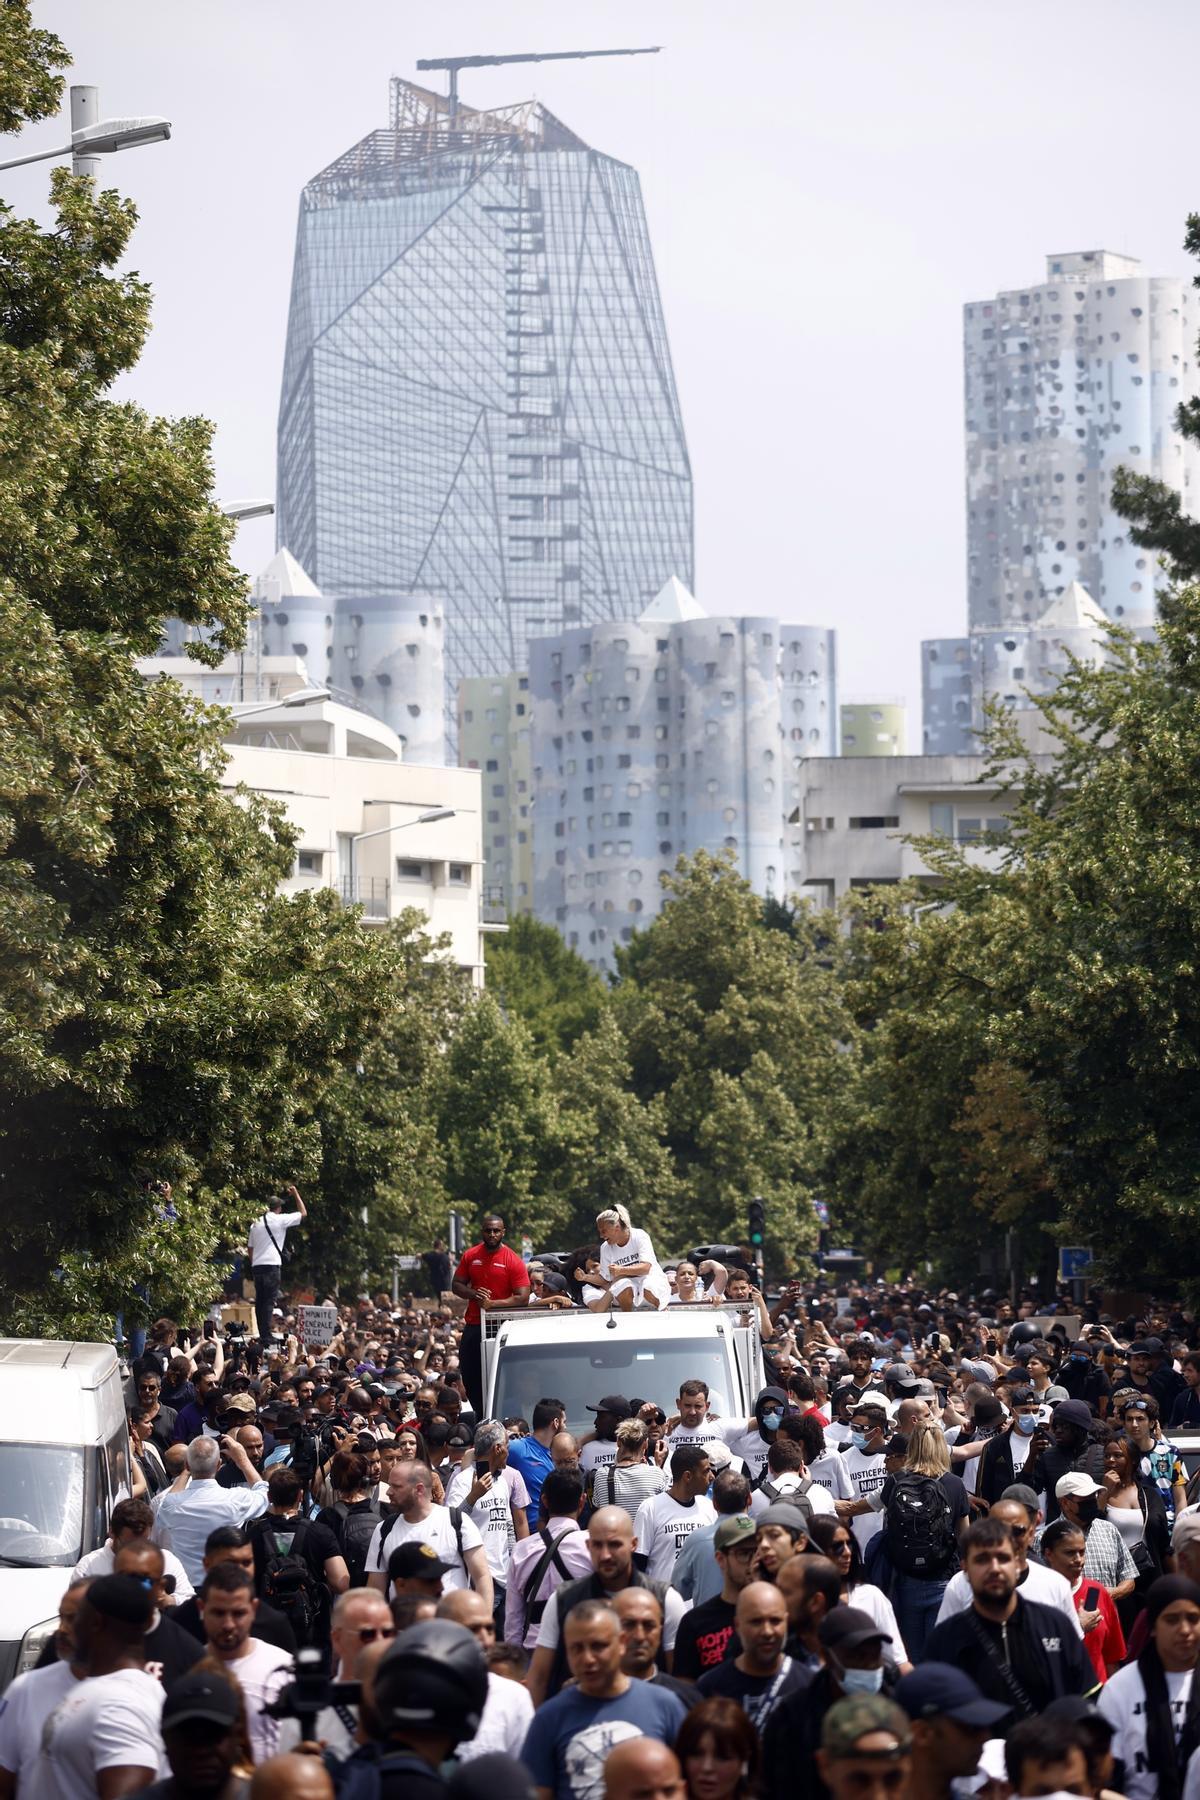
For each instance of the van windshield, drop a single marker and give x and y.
(580, 1374)
(41, 1505)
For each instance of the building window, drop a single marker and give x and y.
(310, 862)
(941, 819)
(460, 874)
(874, 822)
(411, 871)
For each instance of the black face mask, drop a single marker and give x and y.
(1088, 1511)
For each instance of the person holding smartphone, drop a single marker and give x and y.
(1064, 1549)
(495, 1499)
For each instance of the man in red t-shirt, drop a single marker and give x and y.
(490, 1274)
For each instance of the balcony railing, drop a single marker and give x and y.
(495, 903)
(371, 892)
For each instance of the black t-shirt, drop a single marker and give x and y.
(162, 1431)
(316, 1542)
(757, 1695)
(703, 1638)
(171, 1651)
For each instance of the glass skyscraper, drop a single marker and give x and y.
(478, 401)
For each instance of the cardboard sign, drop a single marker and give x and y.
(316, 1325)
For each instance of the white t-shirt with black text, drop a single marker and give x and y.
(867, 1475)
(1122, 1700)
(493, 1514)
(597, 1455)
(663, 1525)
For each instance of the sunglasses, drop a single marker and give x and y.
(366, 1634)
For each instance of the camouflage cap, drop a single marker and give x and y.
(859, 1716)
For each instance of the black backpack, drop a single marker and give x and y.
(356, 1530)
(918, 1530)
(288, 1584)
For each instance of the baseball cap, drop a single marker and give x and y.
(238, 1403)
(859, 1716)
(1024, 1496)
(195, 1697)
(1186, 1529)
(793, 1515)
(1079, 1710)
(939, 1690)
(1076, 1484)
(733, 1530)
(845, 1627)
(612, 1403)
(419, 1562)
(1075, 1412)
(900, 1375)
(1142, 1347)
(122, 1597)
(1054, 1394)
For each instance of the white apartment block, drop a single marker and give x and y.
(1065, 379)
(661, 736)
(854, 813)
(385, 833)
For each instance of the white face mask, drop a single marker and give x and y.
(861, 1681)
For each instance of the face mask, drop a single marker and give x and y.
(1089, 1511)
(861, 1681)
(770, 1421)
(1081, 1358)
(1026, 1423)
(859, 1439)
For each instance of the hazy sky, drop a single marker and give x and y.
(825, 187)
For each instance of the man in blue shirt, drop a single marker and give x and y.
(530, 1456)
(572, 1734)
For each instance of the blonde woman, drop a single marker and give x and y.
(633, 1477)
(925, 1513)
(629, 1270)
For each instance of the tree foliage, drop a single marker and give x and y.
(538, 979)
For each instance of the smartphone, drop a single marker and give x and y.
(1091, 1599)
(482, 1467)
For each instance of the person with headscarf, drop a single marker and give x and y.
(1153, 1704)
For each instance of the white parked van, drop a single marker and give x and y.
(578, 1357)
(64, 1463)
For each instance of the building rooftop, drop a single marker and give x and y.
(672, 603)
(422, 127)
(1073, 609)
(284, 569)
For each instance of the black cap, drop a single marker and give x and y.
(846, 1627)
(416, 1561)
(206, 1697)
(613, 1403)
(900, 1375)
(940, 1690)
(122, 1597)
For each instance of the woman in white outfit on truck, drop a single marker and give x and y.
(629, 1269)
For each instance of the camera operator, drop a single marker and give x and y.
(361, 1618)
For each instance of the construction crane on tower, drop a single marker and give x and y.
(452, 64)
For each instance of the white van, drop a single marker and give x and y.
(578, 1357)
(64, 1463)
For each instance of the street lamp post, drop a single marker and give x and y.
(302, 697)
(93, 137)
(425, 818)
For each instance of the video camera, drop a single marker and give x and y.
(310, 1693)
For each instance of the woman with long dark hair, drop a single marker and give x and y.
(1135, 1506)
(1153, 1705)
(718, 1751)
(839, 1544)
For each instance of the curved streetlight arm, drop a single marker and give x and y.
(425, 818)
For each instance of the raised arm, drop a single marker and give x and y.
(294, 1191)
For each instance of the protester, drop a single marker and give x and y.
(706, 1628)
(187, 1517)
(31, 1698)
(1153, 1705)
(718, 1751)
(541, 1562)
(227, 1608)
(488, 1274)
(201, 1742)
(267, 1238)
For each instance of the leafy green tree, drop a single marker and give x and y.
(164, 1015)
(537, 978)
(613, 1149)
(736, 1031)
(1156, 511)
(498, 1124)
(380, 1187)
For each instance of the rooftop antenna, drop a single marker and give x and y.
(452, 64)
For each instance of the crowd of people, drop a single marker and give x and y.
(954, 1551)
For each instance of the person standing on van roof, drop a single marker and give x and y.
(490, 1274)
(266, 1240)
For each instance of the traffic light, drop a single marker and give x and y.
(758, 1224)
